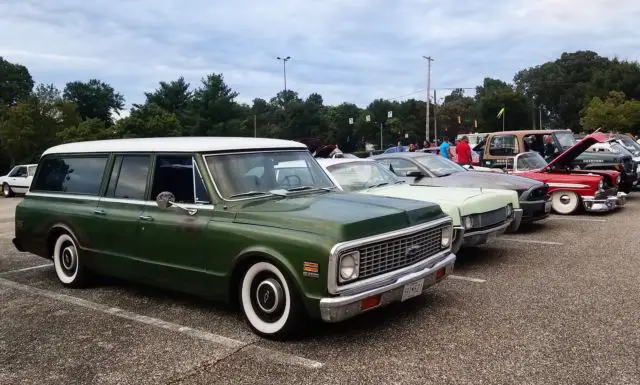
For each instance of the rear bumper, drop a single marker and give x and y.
(336, 309)
(604, 204)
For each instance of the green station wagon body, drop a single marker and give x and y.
(209, 217)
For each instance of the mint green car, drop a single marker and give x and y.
(478, 214)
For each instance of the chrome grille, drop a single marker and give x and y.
(490, 218)
(382, 257)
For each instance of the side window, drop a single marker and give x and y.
(179, 175)
(31, 171)
(20, 172)
(74, 175)
(401, 166)
(503, 145)
(128, 178)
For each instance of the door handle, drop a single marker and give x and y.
(99, 212)
(145, 218)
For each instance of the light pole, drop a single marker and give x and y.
(284, 69)
(429, 60)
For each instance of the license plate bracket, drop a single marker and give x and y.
(412, 289)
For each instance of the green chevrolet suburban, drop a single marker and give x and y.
(213, 217)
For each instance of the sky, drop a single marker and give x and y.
(346, 50)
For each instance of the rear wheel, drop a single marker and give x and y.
(6, 190)
(565, 202)
(68, 262)
(269, 302)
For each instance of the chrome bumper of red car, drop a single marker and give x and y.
(592, 204)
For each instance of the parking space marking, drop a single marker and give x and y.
(529, 241)
(578, 219)
(27, 269)
(461, 278)
(226, 342)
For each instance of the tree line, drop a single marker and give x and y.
(579, 90)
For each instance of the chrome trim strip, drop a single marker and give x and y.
(502, 226)
(568, 185)
(112, 200)
(338, 248)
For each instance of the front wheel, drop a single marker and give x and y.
(6, 190)
(270, 302)
(564, 202)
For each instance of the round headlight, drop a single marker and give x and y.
(447, 234)
(349, 266)
(618, 179)
(467, 223)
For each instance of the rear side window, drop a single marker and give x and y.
(128, 178)
(73, 175)
(503, 145)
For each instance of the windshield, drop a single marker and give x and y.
(439, 166)
(266, 173)
(630, 144)
(618, 148)
(565, 138)
(530, 161)
(356, 176)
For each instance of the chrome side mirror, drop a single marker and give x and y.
(166, 199)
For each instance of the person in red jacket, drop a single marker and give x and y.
(463, 151)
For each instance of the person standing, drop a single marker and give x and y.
(463, 150)
(445, 148)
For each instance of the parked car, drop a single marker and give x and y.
(568, 188)
(210, 216)
(612, 146)
(18, 180)
(433, 170)
(478, 215)
(499, 149)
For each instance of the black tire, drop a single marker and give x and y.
(6, 190)
(270, 302)
(68, 263)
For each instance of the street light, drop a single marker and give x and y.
(284, 69)
(429, 60)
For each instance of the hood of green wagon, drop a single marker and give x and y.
(341, 216)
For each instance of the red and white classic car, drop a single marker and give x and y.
(596, 189)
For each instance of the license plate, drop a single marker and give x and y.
(412, 289)
(547, 207)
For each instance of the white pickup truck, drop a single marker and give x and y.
(18, 180)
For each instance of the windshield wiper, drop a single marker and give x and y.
(379, 185)
(256, 193)
(305, 188)
(400, 182)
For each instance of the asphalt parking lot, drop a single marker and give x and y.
(558, 303)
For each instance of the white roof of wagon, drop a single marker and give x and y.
(175, 144)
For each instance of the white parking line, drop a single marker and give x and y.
(529, 241)
(578, 219)
(476, 280)
(226, 342)
(27, 269)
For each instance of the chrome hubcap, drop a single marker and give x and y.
(68, 258)
(269, 295)
(565, 199)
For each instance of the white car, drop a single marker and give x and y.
(478, 214)
(18, 180)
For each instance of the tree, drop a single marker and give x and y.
(90, 129)
(94, 100)
(146, 121)
(216, 111)
(615, 113)
(15, 83)
(173, 97)
(494, 95)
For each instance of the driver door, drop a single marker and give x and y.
(401, 167)
(19, 180)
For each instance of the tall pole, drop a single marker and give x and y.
(435, 117)
(503, 115)
(540, 109)
(255, 127)
(284, 69)
(381, 136)
(429, 60)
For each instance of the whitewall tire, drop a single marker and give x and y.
(68, 263)
(565, 202)
(269, 302)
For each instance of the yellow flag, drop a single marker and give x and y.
(500, 112)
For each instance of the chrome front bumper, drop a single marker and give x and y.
(600, 205)
(476, 238)
(340, 308)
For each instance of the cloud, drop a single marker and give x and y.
(351, 51)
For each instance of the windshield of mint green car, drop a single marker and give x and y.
(530, 161)
(439, 166)
(356, 176)
(266, 173)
